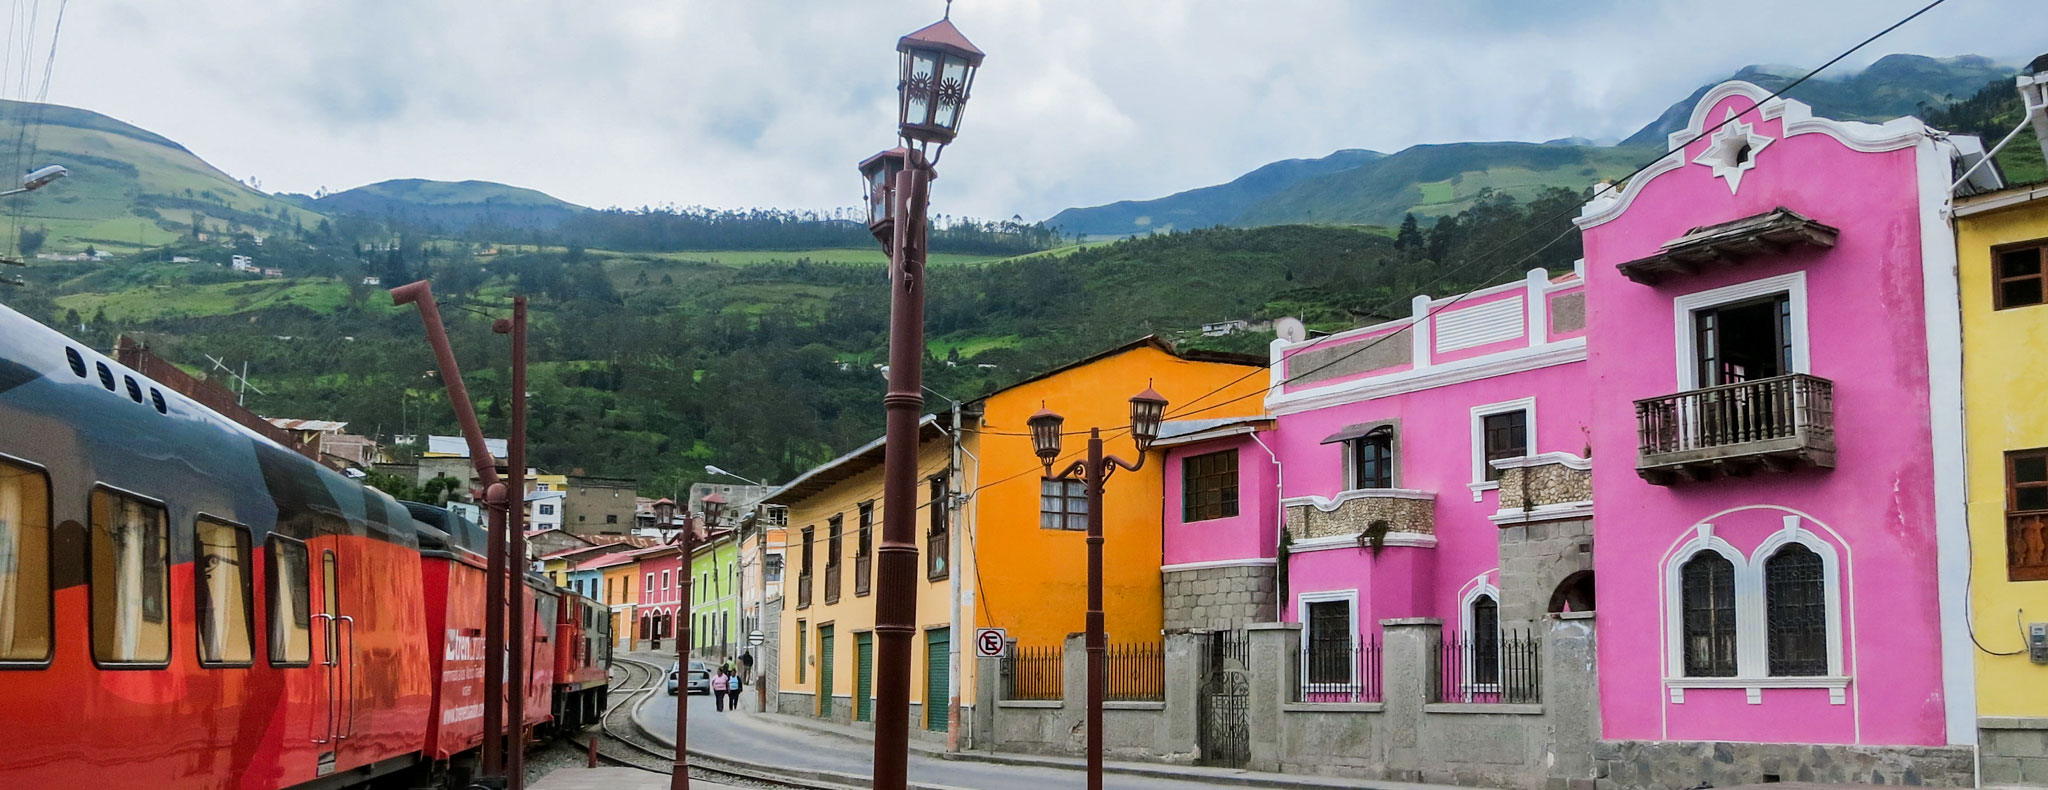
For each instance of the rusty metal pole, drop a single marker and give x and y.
(896, 592)
(515, 548)
(1095, 476)
(679, 773)
(420, 294)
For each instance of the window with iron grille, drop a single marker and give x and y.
(1796, 612)
(1506, 437)
(1485, 640)
(1329, 642)
(1372, 458)
(2021, 272)
(1209, 486)
(2026, 515)
(1062, 504)
(1707, 606)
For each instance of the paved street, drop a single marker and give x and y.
(580, 778)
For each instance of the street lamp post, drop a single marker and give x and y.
(936, 67)
(1147, 409)
(686, 542)
(515, 548)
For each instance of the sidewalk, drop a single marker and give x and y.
(577, 777)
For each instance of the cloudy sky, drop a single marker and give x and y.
(771, 103)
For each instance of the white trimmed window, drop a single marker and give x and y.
(1479, 624)
(1742, 332)
(1329, 637)
(1500, 430)
(1768, 619)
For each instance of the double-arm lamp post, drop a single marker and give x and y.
(685, 539)
(1147, 409)
(936, 67)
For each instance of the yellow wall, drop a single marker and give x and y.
(620, 587)
(1034, 581)
(2002, 378)
(853, 614)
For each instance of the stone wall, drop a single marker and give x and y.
(1326, 362)
(1219, 599)
(1684, 764)
(1534, 559)
(1403, 513)
(1150, 731)
(1568, 313)
(2014, 751)
(1547, 484)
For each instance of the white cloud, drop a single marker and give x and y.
(638, 102)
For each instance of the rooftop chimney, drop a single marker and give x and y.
(2033, 83)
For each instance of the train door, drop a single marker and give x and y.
(334, 714)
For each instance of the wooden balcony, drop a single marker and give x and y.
(1776, 424)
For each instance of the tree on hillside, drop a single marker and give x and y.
(1410, 236)
(32, 240)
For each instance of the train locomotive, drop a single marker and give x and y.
(187, 604)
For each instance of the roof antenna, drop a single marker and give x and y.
(949, 10)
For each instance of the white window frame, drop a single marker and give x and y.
(1481, 585)
(1793, 285)
(1350, 456)
(1752, 659)
(664, 580)
(1301, 603)
(1527, 406)
(650, 582)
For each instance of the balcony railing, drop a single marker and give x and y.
(1776, 424)
(832, 582)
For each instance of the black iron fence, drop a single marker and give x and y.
(1340, 671)
(1503, 667)
(1033, 673)
(1135, 673)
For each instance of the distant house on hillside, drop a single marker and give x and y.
(181, 259)
(243, 263)
(1234, 326)
(373, 280)
(273, 272)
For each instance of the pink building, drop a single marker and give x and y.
(1399, 463)
(1775, 406)
(661, 592)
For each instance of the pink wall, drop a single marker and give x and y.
(1867, 328)
(1252, 533)
(1434, 453)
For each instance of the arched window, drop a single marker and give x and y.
(1796, 612)
(1485, 640)
(1707, 606)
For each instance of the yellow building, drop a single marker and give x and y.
(2002, 255)
(1021, 568)
(827, 642)
(620, 593)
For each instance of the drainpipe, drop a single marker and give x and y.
(1280, 528)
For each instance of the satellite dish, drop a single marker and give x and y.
(1290, 329)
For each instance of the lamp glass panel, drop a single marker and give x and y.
(951, 92)
(917, 87)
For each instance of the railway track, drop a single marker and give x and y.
(620, 742)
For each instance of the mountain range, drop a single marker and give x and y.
(1364, 187)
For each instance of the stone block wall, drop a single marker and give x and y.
(1219, 599)
(1354, 515)
(1534, 559)
(1685, 764)
(2014, 751)
(1548, 484)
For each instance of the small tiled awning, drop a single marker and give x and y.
(1774, 231)
(1362, 429)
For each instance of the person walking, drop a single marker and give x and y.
(732, 685)
(747, 665)
(718, 689)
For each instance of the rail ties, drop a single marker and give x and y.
(636, 678)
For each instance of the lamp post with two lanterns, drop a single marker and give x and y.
(688, 534)
(1148, 408)
(935, 71)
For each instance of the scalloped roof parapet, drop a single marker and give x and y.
(1797, 117)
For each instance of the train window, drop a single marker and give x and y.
(221, 582)
(24, 563)
(330, 596)
(77, 362)
(130, 579)
(290, 602)
(134, 390)
(156, 398)
(106, 376)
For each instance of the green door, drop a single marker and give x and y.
(938, 692)
(864, 676)
(825, 671)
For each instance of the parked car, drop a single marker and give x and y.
(700, 677)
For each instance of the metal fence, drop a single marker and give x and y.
(1504, 667)
(1135, 673)
(1033, 672)
(1340, 671)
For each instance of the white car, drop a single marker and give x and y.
(700, 677)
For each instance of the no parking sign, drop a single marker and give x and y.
(989, 642)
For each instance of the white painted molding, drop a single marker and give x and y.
(1517, 360)
(1564, 511)
(1419, 307)
(1493, 322)
(1942, 304)
(1412, 540)
(1751, 617)
(1538, 311)
(1564, 459)
(1527, 406)
(1686, 340)
(1331, 504)
(1247, 562)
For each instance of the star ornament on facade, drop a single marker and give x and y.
(1732, 150)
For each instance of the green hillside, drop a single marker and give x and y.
(1440, 180)
(1207, 206)
(449, 206)
(128, 187)
(1893, 86)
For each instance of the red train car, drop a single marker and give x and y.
(583, 650)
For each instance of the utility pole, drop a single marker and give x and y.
(515, 530)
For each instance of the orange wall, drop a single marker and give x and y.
(1034, 581)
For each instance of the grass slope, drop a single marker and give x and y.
(128, 187)
(1207, 206)
(450, 205)
(1439, 180)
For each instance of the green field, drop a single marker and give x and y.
(170, 301)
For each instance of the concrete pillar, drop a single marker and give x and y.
(1571, 694)
(1183, 689)
(1074, 693)
(1274, 653)
(981, 730)
(1408, 664)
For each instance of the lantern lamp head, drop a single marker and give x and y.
(664, 513)
(936, 75)
(1045, 436)
(1148, 408)
(878, 185)
(714, 506)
